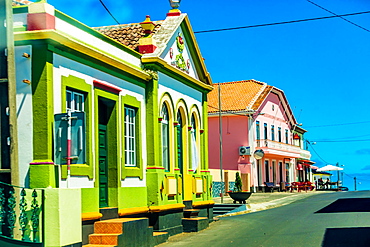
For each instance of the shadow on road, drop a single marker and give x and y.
(347, 205)
(347, 237)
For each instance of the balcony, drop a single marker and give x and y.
(305, 154)
(279, 148)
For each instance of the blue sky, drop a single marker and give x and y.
(322, 66)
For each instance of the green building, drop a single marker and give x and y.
(110, 135)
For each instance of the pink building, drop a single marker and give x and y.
(260, 137)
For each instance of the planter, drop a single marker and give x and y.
(240, 197)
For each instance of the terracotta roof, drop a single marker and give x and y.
(127, 34)
(20, 2)
(238, 95)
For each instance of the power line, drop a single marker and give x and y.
(331, 125)
(364, 140)
(106, 8)
(318, 154)
(341, 138)
(281, 23)
(339, 16)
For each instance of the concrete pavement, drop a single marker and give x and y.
(263, 201)
(321, 219)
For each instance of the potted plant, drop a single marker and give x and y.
(237, 194)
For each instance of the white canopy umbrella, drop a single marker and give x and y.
(329, 168)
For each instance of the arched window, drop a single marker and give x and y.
(194, 147)
(165, 138)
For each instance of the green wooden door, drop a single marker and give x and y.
(103, 166)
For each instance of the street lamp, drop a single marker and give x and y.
(175, 4)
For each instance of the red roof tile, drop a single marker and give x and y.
(238, 96)
(20, 2)
(127, 34)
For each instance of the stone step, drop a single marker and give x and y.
(116, 225)
(160, 237)
(195, 224)
(98, 245)
(191, 213)
(220, 209)
(109, 213)
(104, 238)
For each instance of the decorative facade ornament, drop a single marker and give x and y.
(179, 61)
(152, 73)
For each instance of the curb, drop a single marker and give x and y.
(268, 205)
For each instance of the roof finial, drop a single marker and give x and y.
(147, 25)
(175, 4)
(147, 43)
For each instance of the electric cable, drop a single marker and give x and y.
(106, 8)
(339, 16)
(318, 154)
(331, 125)
(364, 140)
(281, 23)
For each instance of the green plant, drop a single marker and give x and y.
(238, 183)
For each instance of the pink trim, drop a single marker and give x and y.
(42, 163)
(162, 168)
(40, 21)
(204, 171)
(190, 170)
(107, 87)
(176, 169)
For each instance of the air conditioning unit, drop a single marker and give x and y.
(243, 150)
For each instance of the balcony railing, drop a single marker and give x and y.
(278, 145)
(305, 154)
(21, 213)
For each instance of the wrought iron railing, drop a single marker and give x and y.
(21, 213)
(278, 145)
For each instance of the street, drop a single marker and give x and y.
(332, 219)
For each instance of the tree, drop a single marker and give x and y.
(238, 183)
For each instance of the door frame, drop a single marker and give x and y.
(111, 102)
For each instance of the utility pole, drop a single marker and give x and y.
(220, 133)
(355, 183)
(338, 176)
(7, 78)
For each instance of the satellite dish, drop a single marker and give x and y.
(258, 154)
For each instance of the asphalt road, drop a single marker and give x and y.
(332, 219)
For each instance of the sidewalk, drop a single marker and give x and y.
(263, 201)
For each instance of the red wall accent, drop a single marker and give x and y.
(40, 21)
(143, 49)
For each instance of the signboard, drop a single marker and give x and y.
(258, 154)
(78, 138)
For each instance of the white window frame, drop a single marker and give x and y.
(165, 138)
(74, 106)
(130, 136)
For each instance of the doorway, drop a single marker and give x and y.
(180, 149)
(4, 134)
(107, 140)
